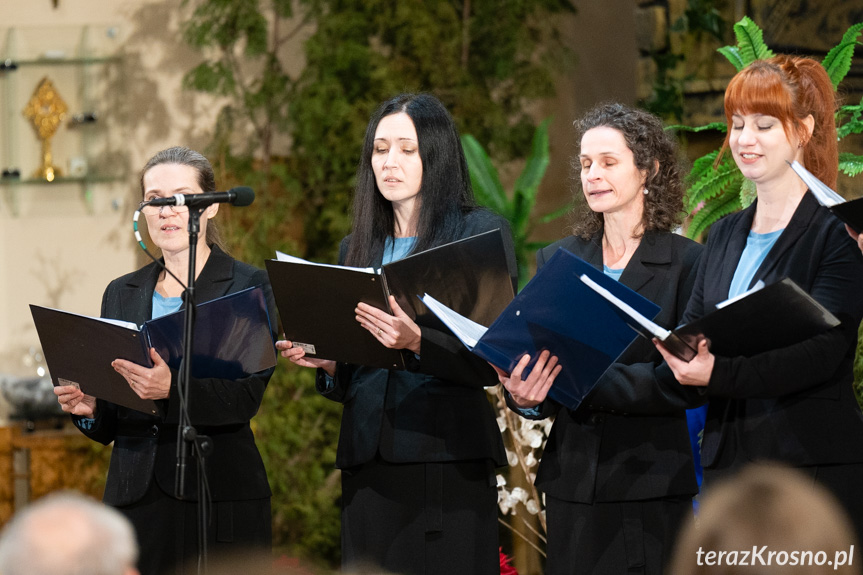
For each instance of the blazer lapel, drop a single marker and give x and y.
(216, 278)
(795, 229)
(136, 297)
(655, 249)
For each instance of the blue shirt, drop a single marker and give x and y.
(397, 248)
(164, 305)
(757, 248)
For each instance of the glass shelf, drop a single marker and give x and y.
(58, 181)
(9, 65)
(85, 67)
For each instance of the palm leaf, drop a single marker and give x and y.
(837, 62)
(483, 176)
(732, 54)
(850, 164)
(559, 212)
(720, 126)
(854, 125)
(527, 184)
(709, 214)
(750, 41)
(708, 182)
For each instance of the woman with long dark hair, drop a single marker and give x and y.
(417, 448)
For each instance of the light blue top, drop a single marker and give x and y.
(164, 305)
(757, 247)
(397, 248)
(612, 273)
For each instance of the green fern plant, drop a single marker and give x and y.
(718, 189)
(517, 208)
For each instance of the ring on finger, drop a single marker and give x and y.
(380, 332)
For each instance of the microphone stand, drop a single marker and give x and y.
(187, 437)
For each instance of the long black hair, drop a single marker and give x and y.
(445, 192)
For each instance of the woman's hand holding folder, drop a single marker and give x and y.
(74, 401)
(532, 390)
(297, 355)
(695, 372)
(396, 331)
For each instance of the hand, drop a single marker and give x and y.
(696, 372)
(532, 391)
(397, 331)
(73, 400)
(297, 355)
(858, 237)
(148, 382)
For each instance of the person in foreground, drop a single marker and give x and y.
(417, 448)
(68, 534)
(617, 472)
(767, 519)
(141, 473)
(793, 404)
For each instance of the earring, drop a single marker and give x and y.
(645, 191)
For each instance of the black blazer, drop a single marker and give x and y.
(145, 446)
(437, 410)
(793, 404)
(626, 441)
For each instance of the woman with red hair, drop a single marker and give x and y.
(792, 404)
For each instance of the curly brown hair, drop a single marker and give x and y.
(650, 145)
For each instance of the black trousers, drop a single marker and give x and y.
(168, 536)
(421, 518)
(612, 538)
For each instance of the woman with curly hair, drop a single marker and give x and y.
(617, 472)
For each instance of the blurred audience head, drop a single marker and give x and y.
(767, 519)
(68, 534)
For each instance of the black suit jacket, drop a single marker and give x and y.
(793, 404)
(437, 410)
(627, 441)
(145, 446)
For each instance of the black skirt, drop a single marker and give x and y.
(168, 536)
(615, 537)
(421, 518)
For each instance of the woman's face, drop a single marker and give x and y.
(609, 177)
(760, 147)
(169, 230)
(396, 159)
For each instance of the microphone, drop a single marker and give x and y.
(241, 196)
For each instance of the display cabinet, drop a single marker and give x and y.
(58, 89)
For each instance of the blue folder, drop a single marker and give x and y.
(558, 312)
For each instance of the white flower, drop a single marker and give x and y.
(533, 438)
(519, 494)
(532, 507)
(511, 458)
(530, 459)
(501, 480)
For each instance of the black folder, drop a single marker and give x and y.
(849, 211)
(316, 302)
(557, 312)
(765, 318)
(232, 339)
